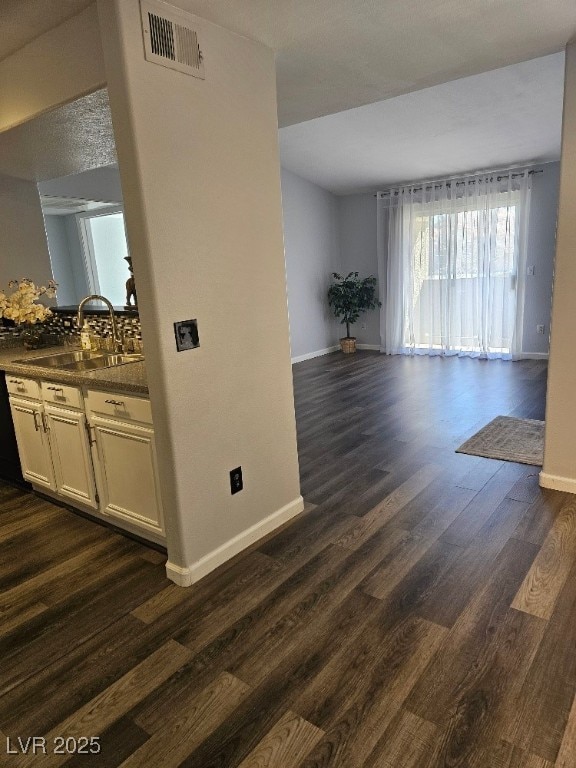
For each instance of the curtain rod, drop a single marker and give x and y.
(434, 185)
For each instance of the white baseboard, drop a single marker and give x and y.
(376, 348)
(186, 576)
(318, 353)
(557, 483)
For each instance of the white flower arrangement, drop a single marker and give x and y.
(20, 305)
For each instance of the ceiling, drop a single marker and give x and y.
(23, 20)
(507, 117)
(371, 92)
(71, 139)
(334, 55)
(64, 206)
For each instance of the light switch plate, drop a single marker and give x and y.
(186, 333)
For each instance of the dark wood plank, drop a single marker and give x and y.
(357, 694)
(471, 638)
(375, 630)
(473, 569)
(117, 743)
(544, 581)
(114, 702)
(233, 741)
(285, 744)
(48, 636)
(75, 678)
(187, 728)
(469, 523)
(567, 754)
(539, 518)
(539, 717)
(406, 742)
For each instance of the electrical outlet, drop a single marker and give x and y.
(236, 482)
(530, 270)
(539, 329)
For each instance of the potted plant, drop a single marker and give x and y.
(349, 298)
(22, 308)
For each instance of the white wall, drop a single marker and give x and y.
(23, 246)
(67, 259)
(55, 68)
(60, 259)
(559, 470)
(312, 251)
(79, 275)
(201, 179)
(541, 249)
(357, 218)
(101, 184)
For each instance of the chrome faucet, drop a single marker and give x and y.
(116, 338)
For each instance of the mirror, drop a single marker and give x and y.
(66, 160)
(86, 235)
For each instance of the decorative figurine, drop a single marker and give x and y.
(130, 286)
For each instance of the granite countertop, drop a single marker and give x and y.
(130, 377)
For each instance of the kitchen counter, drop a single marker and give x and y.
(130, 377)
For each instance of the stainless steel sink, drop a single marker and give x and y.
(58, 359)
(107, 360)
(81, 360)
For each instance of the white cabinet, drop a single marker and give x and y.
(125, 459)
(95, 451)
(69, 446)
(33, 443)
(53, 443)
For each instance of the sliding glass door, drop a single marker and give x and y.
(464, 280)
(453, 265)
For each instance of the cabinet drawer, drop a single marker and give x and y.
(120, 406)
(60, 394)
(22, 387)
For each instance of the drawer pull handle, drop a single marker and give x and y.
(55, 389)
(16, 381)
(114, 402)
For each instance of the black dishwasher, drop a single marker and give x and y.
(9, 461)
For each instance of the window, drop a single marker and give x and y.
(103, 237)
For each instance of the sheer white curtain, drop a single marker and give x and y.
(452, 258)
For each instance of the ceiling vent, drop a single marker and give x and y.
(171, 38)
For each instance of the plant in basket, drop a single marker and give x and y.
(349, 298)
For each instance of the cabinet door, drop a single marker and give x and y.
(71, 458)
(126, 472)
(33, 445)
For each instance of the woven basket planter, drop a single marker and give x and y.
(348, 345)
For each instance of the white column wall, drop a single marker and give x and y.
(559, 470)
(201, 179)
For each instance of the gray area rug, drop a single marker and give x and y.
(508, 439)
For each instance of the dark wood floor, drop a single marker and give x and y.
(420, 613)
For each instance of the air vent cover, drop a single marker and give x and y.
(171, 38)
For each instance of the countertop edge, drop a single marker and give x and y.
(129, 377)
